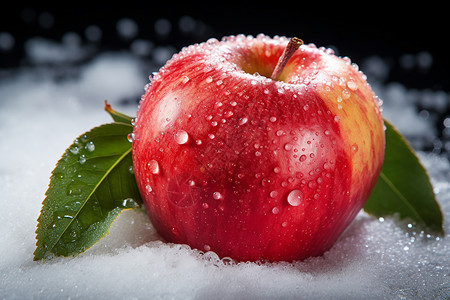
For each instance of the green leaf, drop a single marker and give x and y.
(403, 187)
(89, 187)
(117, 116)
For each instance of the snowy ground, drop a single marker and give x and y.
(43, 107)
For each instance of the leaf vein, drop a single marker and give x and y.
(400, 195)
(92, 193)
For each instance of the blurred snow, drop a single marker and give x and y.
(40, 50)
(127, 28)
(41, 114)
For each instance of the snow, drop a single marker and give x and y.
(42, 109)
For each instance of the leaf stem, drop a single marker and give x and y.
(292, 46)
(117, 116)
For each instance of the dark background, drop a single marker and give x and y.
(356, 29)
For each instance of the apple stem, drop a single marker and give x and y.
(292, 46)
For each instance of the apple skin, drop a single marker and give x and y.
(252, 168)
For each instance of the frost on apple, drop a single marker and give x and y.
(373, 258)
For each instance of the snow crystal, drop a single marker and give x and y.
(40, 117)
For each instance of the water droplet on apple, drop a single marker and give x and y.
(205, 205)
(174, 231)
(355, 148)
(345, 94)
(273, 119)
(302, 158)
(181, 137)
(277, 170)
(295, 197)
(209, 79)
(275, 210)
(347, 59)
(148, 188)
(228, 114)
(153, 166)
(266, 91)
(266, 182)
(243, 120)
(130, 137)
(378, 101)
(352, 85)
(207, 248)
(279, 132)
(288, 146)
(185, 79)
(217, 195)
(212, 41)
(273, 194)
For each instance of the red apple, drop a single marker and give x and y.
(230, 160)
